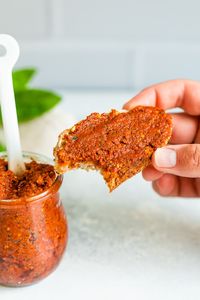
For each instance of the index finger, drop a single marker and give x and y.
(170, 94)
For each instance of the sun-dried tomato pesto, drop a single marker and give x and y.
(33, 225)
(118, 144)
(37, 178)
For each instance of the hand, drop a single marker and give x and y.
(175, 169)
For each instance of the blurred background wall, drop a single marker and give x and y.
(117, 44)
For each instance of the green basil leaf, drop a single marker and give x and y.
(2, 148)
(33, 103)
(30, 103)
(22, 77)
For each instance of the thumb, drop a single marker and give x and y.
(181, 160)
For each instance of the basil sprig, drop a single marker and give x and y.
(31, 102)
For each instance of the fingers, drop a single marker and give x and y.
(172, 186)
(181, 160)
(170, 94)
(151, 174)
(184, 128)
(167, 185)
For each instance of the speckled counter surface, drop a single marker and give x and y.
(131, 244)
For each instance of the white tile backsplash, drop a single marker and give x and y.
(167, 61)
(107, 43)
(109, 65)
(143, 20)
(25, 19)
(79, 65)
(57, 18)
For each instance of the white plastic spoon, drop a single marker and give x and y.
(7, 100)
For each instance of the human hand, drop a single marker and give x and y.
(175, 169)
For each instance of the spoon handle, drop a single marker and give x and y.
(8, 107)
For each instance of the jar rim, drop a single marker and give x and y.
(51, 190)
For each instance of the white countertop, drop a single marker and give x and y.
(131, 244)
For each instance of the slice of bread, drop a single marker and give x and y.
(118, 144)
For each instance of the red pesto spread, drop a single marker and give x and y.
(33, 231)
(36, 179)
(118, 144)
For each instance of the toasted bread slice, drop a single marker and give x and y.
(118, 144)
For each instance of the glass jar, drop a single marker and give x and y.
(33, 233)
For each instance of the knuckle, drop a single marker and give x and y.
(194, 156)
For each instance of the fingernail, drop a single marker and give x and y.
(165, 158)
